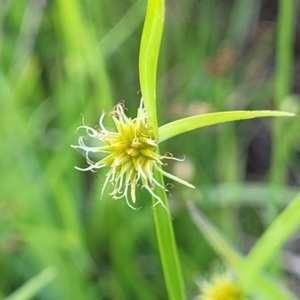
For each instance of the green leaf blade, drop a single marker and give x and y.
(271, 241)
(148, 57)
(33, 286)
(177, 127)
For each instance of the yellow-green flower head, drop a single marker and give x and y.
(130, 154)
(221, 288)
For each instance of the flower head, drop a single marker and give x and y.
(130, 153)
(221, 288)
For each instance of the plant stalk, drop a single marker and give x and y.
(149, 51)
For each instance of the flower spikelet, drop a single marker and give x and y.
(221, 288)
(129, 153)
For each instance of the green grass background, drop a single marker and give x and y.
(60, 59)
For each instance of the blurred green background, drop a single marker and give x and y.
(60, 59)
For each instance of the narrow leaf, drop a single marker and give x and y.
(149, 51)
(187, 124)
(32, 287)
(272, 241)
(175, 178)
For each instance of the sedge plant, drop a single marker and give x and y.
(131, 152)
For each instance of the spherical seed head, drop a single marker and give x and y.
(221, 288)
(130, 153)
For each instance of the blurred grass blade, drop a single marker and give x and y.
(241, 21)
(285, 50)
(123, 29)
(32, 287)
(24, 48)
(226, 195)
(285, 64)
(267, 289)
(184, 125)
(214, 237)
(272, 240)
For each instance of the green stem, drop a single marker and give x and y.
(149, 51)
(283, 83)
(167, 246)
(285, 46)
